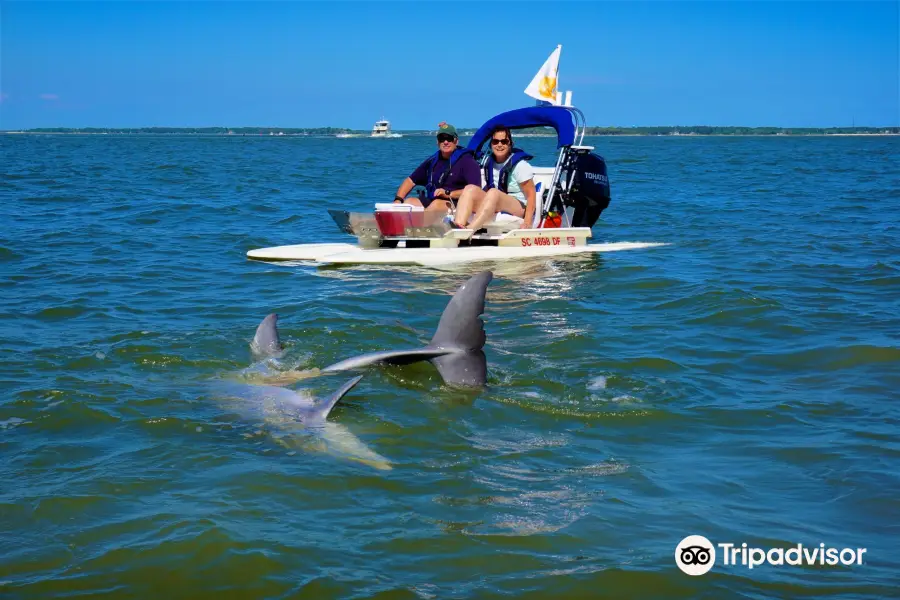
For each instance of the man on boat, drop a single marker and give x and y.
(444, 174)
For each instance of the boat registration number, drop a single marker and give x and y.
(546, 241)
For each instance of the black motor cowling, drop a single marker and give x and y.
(589, 192)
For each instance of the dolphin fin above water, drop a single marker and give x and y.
(461, 326)
(456, 349)
(266, 341)
(462, 368)
(322, 409)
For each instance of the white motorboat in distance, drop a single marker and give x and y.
(382, 129)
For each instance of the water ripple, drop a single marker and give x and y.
(739, 383)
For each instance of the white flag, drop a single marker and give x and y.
(543, 86)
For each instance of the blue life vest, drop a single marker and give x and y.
(503, 183)
(432, 185)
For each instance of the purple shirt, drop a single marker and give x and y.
(463, 172)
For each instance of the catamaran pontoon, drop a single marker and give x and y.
(570, 198)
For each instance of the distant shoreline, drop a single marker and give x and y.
(340, 133)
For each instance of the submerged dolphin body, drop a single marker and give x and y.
(290, 412)
(456, 349)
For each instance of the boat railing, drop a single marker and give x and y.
(580, 124)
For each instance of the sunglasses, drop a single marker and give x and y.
(445, 138)
(496, 142)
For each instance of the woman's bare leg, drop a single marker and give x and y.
(494, 202)
(438, 206)
(471, 197)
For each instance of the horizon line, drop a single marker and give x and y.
(473, 129)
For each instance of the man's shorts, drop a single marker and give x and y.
(427, 201)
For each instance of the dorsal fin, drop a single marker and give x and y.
(467, 369)
(461, 326)
(266, 340)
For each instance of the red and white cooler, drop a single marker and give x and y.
(393, 219)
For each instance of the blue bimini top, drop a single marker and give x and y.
(559, 118)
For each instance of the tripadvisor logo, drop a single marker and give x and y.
(696, 555)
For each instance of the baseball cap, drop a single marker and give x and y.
(444, 127)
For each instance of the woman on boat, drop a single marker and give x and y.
(507, 186)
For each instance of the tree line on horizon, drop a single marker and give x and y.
(734, 130)
(593, 130)
(197, 130)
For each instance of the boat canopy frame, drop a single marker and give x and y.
(567, 121)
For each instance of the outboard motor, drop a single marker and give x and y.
(589, 189)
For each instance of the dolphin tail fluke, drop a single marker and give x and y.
(394, 357)
(461, 326)
(326, 405)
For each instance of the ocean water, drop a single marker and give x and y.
(740, 383)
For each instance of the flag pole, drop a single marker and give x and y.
(559, 99)
(558, 86)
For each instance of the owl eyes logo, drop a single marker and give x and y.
(695, 555)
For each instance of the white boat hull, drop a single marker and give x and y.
(350, 254)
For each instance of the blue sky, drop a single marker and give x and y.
(343, 64)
